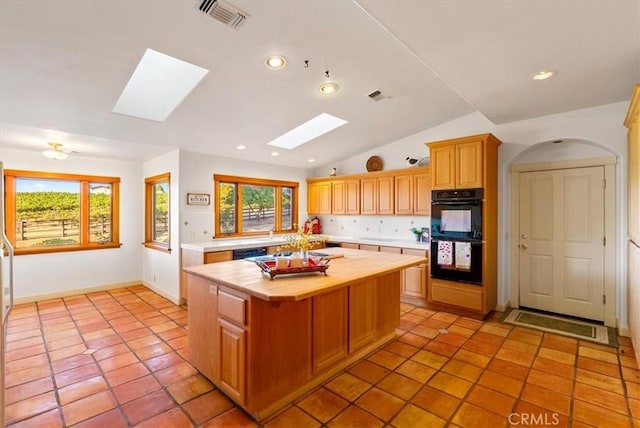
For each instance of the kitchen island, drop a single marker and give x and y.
(266, 342)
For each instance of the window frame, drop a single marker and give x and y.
(11, 175)
(238, 181)
(149, 217)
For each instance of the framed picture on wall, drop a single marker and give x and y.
(198, 199)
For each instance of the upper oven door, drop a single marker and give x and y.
(456, 220)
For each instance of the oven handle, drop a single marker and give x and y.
(471, 240)
(476, 203)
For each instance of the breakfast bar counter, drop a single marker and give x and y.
(265, 342)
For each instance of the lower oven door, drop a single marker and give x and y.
(456, 260)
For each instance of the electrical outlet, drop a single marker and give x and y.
(154, 278)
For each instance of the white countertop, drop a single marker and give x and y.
(223, 244)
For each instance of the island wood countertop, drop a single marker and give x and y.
(354, 266)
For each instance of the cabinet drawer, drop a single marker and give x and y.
(469, 297)
(394, 250)
(412, 252)
(218, 256)
(232, 307)
(366, 247)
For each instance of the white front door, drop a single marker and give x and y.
(561, 241)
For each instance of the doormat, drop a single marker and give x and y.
(563, 326)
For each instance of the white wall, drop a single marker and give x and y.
(196, 176)
(160, 269)
(62, 273)
(601, 128)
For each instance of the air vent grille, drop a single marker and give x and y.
(229, 15)
(377, 95)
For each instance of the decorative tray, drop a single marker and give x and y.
(269, 267)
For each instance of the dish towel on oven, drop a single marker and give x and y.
(463, 255)
(444, 253)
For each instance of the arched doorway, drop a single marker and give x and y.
(563, 229)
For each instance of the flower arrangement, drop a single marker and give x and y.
(302, 241)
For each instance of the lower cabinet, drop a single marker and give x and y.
(633, 296)
(329, 320)
(232, 359)
(457, 294)
(193, 258)
(202, 349)
(415, 279)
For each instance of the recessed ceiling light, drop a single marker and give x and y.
(543, 75)
(275, 62)
(309, 130)
(157, 86)
(241, 147)
(311, 160)
(275, 154)
(328, 88)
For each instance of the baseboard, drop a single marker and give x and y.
(501, 307)
(74, 292)
(624, 331)
(163, 293)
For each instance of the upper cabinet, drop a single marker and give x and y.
(632, 122)
(399, 192)
(319, 197)
(462, 163)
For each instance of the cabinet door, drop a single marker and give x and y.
(415, 281)
(329, 328)
(338, 194)
(368, 196)
(366, 247)
(203, 323)
(319, 198)
(232, 347)
(469, 165)
(386, 201)
(362, 303)
(443, 167)
(422, 194)
(404, 194)
(352, 197)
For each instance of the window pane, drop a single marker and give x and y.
(227, 208)
(47, 212)
(161, 212)
(100, 203)
(258, 208)
(286, 208)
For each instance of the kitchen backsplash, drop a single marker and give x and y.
(379, 226)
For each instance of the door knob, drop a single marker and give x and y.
(524, 246)
(523, 236)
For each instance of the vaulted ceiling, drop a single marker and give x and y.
(64, 63)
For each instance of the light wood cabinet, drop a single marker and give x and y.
(345, 197)
(362, 309)
(396, 192)
(367, 247)
(404, 194)
(329, 326)
(350, 245)
(470, 162)
(422, 194)
(232, 346)
(202, 347)
(632, 122)
(319, 198)
(462, 163)
(415, 279)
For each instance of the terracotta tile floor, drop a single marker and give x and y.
(120, 358)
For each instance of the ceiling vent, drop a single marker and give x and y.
(229, 15)
(377, 95)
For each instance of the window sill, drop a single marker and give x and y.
(158, 247)
(64, 248)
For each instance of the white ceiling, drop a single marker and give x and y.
(64, 63)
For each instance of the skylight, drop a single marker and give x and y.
(157, 86)
(309, 130)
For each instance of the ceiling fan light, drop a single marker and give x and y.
(54, 154)
(328, 88)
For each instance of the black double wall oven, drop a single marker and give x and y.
(456, 235)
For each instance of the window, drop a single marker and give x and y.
(51, 212)
(156, 230)
(246, 206)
